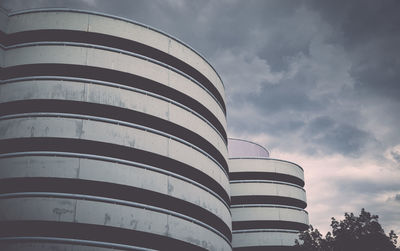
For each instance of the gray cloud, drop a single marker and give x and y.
(356, 186)
(370, 33)
(337, 138)
(395, 156)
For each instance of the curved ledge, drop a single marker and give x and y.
(119, 18)
(267, 248)
(220, 163)
(48, 70)
(217, 100)
(273, 176)
(266, 181)
(70, 230)
(268, 224)
(115, 201)
(99, 244)
(105, 83)
(79, 146)
(264, 239)
(267, 230)
(263, 199)
(268, 205)
(125, 162)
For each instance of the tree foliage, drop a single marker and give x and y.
(353, 233)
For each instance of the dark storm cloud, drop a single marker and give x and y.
(297, 59)
(395, 155)
(336, 137)
(370, 32)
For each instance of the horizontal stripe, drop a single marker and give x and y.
(113, 151)
(92, 232)
(263, 199)
(268, 206)
(110, 49)
(66, 241)
(268, 224)
(114, 160)
(267, 248)
(112, 42)
(109, 84)
(115, 191)
(13, 13)
(115, 113)
(265, 230)
(42, 195)
(108, 75)
(266, 181)
(266, 176)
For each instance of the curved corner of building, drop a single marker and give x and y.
(268, 200)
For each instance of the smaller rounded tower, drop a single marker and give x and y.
(267, 198)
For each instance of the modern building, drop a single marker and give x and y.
(267, 199)
(112, 137)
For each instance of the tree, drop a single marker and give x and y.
(353, 233)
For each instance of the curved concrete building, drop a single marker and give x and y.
(112, 137)
(267, 199)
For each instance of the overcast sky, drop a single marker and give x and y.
(316, 82)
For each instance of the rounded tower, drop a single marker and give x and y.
(267, 199)
(112, 137)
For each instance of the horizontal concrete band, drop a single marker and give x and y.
(266, 230)
(265, 206)
(65, 147)
(267, 165)
(269, 213)
(86, 166)
(54, 243)
(70, 236)
(258, 239)
(104, 24)
(268, 224)
(110, 114)
(267, 199)
(109, 66)
(267, 192)
(261, 181)
(36, 198)
(269, 217)
(120, 194)
(100, 76)
(125, 56)
(107, 93)
(271, 176)
(143, 184)
(106, 222)
(117, 122)
(107, 41)
(267, 248)
(120, 135)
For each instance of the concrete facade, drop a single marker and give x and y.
(267, 199)
(112, 137)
